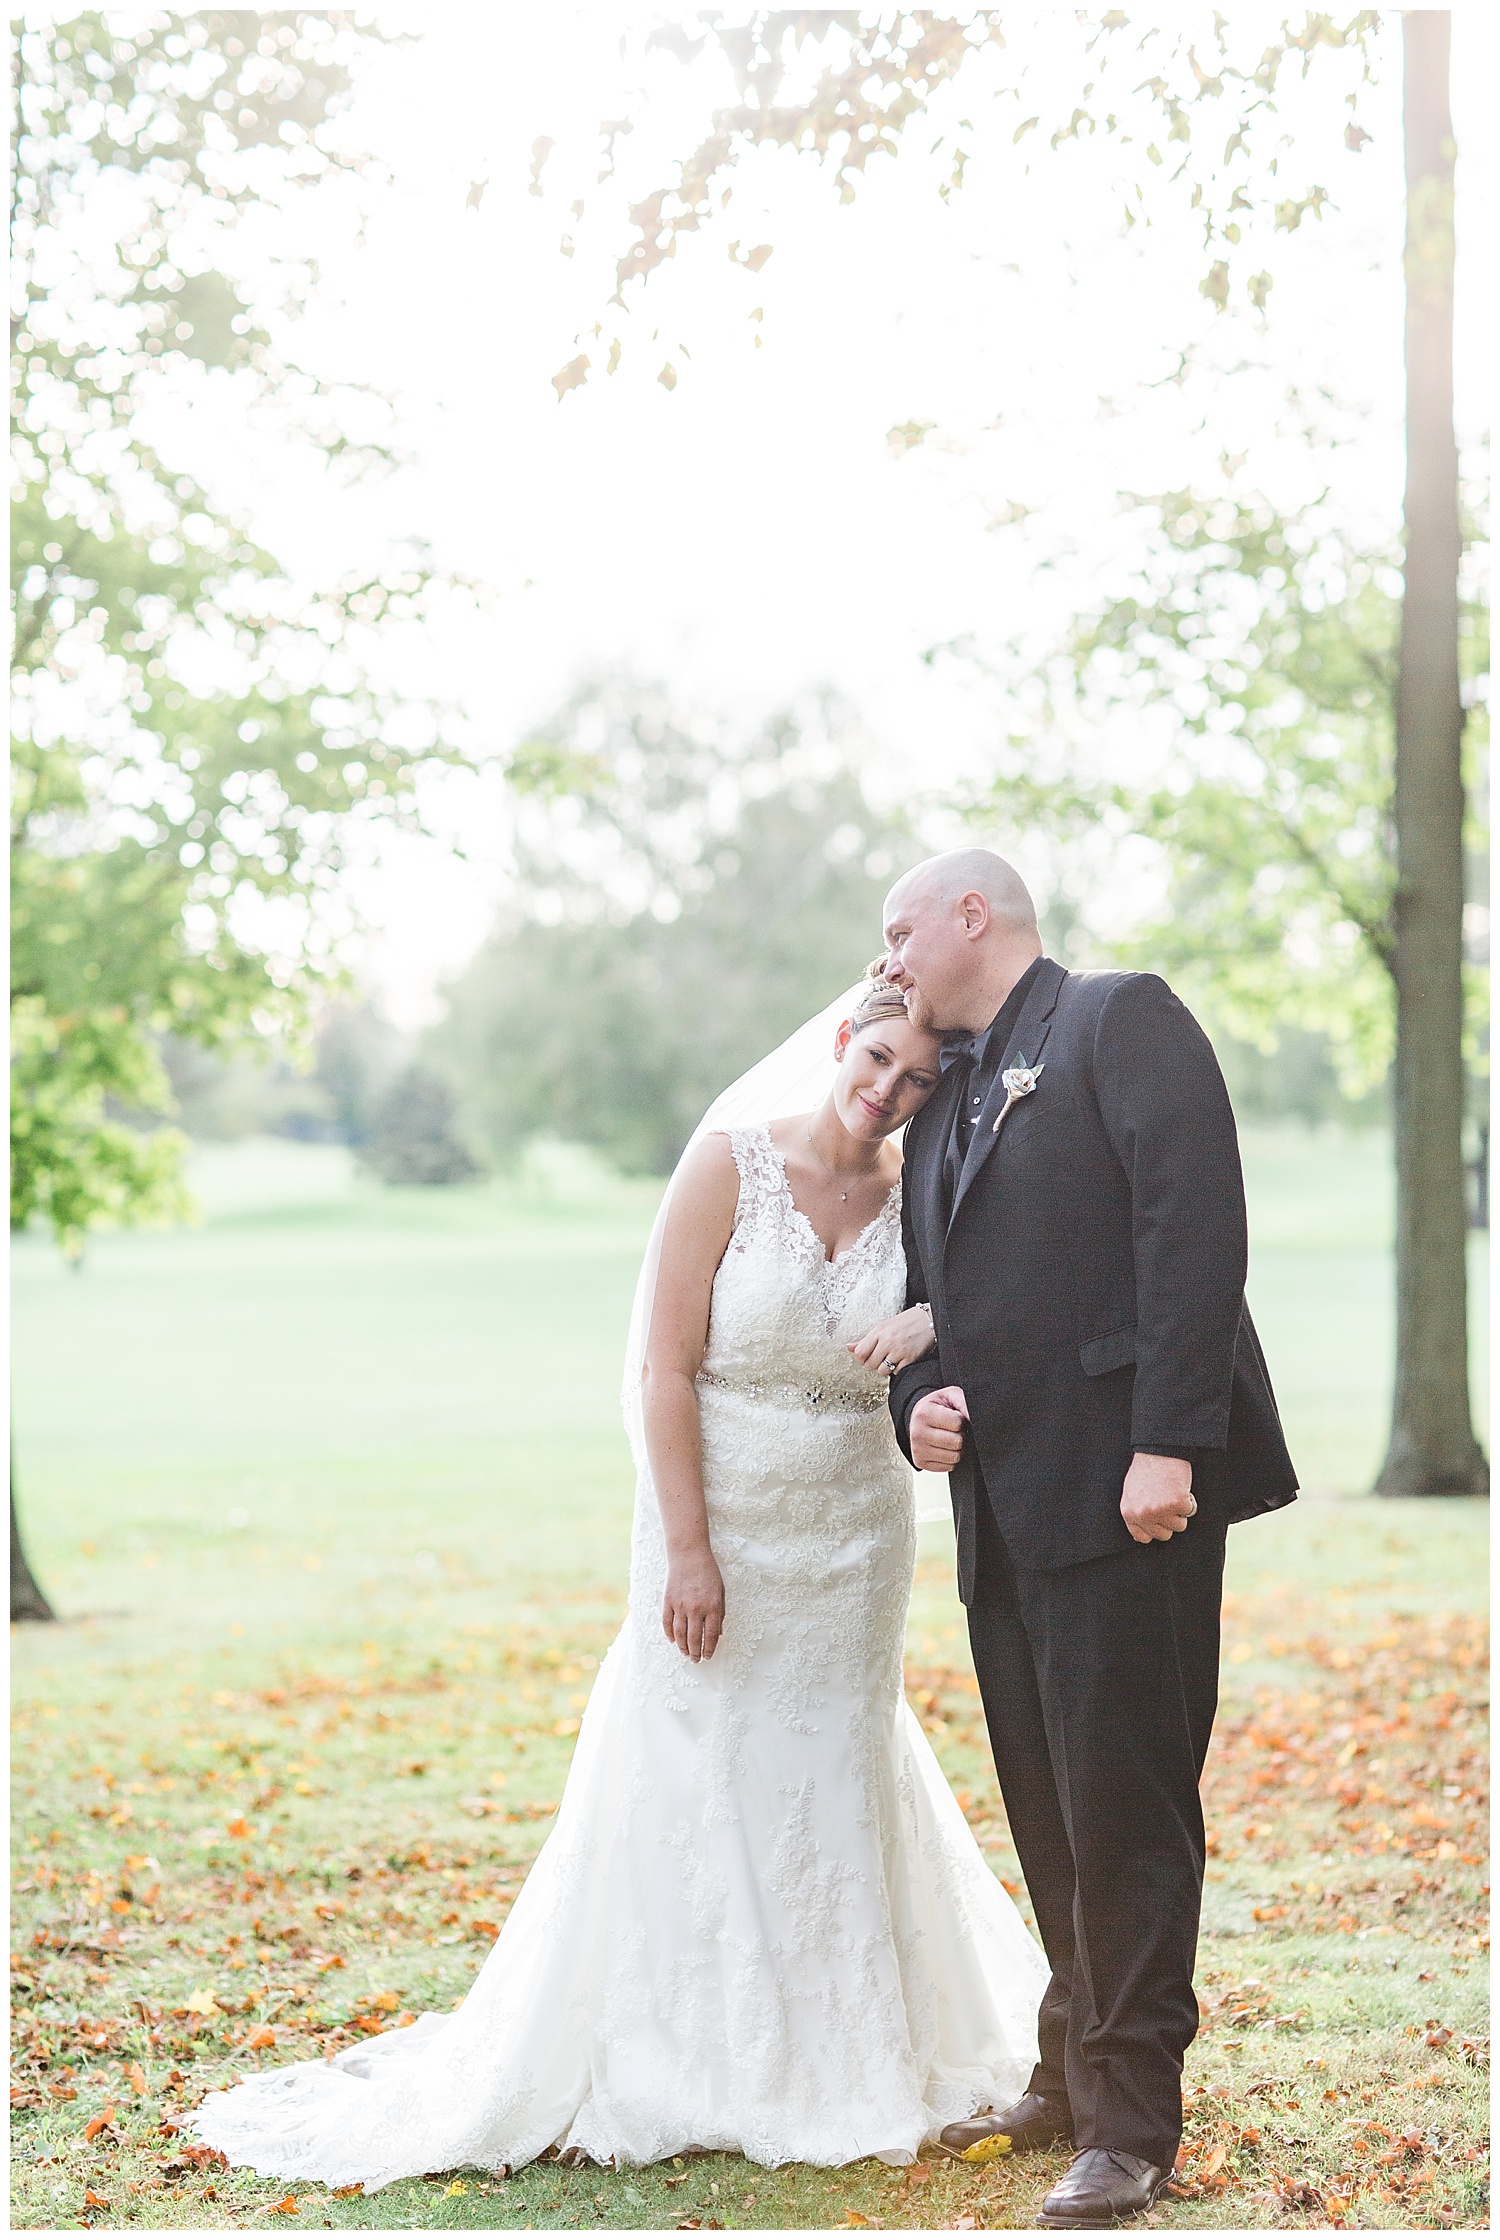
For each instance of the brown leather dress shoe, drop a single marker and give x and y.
(1102, 2189)
(1031, 2122)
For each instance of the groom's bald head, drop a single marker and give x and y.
(947, 878)
(960, 930)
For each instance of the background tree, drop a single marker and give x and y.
(356, 1058)
(684, 898)
(195, 731)
(415, 1137)
(876, 74)
(1433, 1448)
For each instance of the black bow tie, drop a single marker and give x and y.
(959, 1049)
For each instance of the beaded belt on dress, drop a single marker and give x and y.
(797, 1395)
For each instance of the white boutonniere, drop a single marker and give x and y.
(1017, 1081)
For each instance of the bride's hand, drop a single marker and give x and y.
(692, 1614)
(895, 1344)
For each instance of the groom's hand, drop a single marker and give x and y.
(935, 1428)
(1158, 1497)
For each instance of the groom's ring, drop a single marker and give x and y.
(887, 1364)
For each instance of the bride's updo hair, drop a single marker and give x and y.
(878, 1000)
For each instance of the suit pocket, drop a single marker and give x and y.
(1113, 1351)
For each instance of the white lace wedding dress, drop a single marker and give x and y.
(760, 1921)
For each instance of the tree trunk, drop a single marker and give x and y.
(1433, 1448)
(27, 1600)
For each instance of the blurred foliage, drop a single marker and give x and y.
(1249, 666)
(685, 899)
(1198, 99)
(356, 1055)
(193, 729)
(1298, 1082)
(416, 1138)
(326, 1090)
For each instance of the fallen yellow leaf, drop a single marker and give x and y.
(993, 2149)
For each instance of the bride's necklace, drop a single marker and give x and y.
(830, 1170)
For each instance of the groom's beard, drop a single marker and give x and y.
(918, 1009)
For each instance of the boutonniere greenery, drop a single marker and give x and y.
(1017, 1081)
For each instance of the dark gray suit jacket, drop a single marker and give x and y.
(1088, 1290)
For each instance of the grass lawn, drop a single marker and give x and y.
(333, 1496)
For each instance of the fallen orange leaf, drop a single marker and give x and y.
(240, 1828)
(92, 2129)
(205, 2158)
(285, 2208)
(92, 2200)
(137, 2076)
(259, 2040)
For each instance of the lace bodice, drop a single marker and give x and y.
(783, 1314)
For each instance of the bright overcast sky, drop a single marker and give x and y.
(752, 533)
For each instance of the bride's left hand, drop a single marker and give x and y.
(896, 1343)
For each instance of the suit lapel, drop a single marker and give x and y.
(1028, 1039)
(927, 1181)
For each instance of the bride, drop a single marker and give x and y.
(760, 1922)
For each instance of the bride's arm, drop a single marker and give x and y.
(700, 1221)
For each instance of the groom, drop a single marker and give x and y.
(1074, 1217)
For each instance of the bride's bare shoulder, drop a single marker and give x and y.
(711, 1154)
(706, 1186)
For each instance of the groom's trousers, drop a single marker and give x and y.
(1100, 1683)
